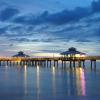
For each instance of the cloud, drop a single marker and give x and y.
(2, 30)
(8, 13)
(20, 39)
(59, 18)
(76, 24)
(25, 39)
(96, 6)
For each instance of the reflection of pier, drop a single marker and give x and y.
(49, 61)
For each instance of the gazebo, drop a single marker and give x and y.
(72, 52)
(21, 54)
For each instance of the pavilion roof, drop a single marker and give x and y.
(21, 54)
(72, 51)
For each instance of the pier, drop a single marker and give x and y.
(50, 61)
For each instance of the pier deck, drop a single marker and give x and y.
(47, 61)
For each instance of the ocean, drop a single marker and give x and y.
(49, 83)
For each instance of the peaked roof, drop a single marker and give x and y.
(21, 54)
(72, 50)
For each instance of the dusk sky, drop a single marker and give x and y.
(46, 26)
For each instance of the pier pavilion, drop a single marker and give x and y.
(72, 52)
(21, 54)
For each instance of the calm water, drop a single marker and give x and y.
(40, 83)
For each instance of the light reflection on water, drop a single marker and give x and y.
(54, 82)
(25, 80)
(80, 81)
(38, 81)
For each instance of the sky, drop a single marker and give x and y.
(49, 27)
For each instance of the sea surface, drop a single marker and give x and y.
(42, 83)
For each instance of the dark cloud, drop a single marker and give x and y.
(96, 6)
(3, 30)
(16, 30)
(28, 23)
(8, 13)
(82, 40)
(60, 18)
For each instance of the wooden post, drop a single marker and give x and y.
(74, 63)
(70, 64)
(50, 63)
(54, 63)
(44, 63)
(95, 65)
(83, 63)
(35, 63)
(62, 64)
(57, 64)
(79, 63)
(47, 63)
(91, 64)
(7, 62)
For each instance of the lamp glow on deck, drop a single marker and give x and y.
(78, 55)
(18, 60)
(83, 55)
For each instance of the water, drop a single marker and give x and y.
(40, 83)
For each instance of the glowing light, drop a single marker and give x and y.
(83, 55)
(77, 55)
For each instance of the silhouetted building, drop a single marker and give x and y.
(21, 54)
(72, 52)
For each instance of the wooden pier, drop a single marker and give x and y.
(50, 61)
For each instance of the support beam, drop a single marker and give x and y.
(74, 63)
(70, 64)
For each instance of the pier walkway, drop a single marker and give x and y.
(47, 61)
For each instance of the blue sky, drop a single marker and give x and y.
(41, 27)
